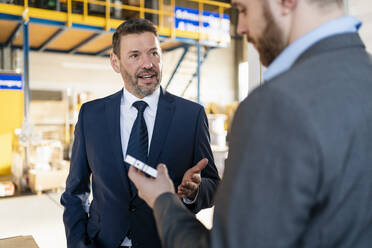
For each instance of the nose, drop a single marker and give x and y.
(147, 62)
(241, 29)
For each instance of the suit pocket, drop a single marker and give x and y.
(93, 225)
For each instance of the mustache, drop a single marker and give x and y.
(143, 71)
(249, 39)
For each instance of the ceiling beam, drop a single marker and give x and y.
(52, 38)
(13, 35)
(104, 51)
(84, 42)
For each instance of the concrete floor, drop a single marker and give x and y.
(41, 217)
(36, 215)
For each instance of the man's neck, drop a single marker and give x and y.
(310, 17)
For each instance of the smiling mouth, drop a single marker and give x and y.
(147, 76)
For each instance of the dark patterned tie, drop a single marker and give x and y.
(139, 139)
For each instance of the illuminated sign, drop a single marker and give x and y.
(215, 28)
(11, 82)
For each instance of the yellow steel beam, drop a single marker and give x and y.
(11, 9)
(200, 8)
(214, 3)
(161, 16)
(107, 11)
(96, 21)
(127, 7)
(142, 7)
(173, 28)
(48, 14)
(69, 13)
(25, 11)
(85, 8)
(220, 11)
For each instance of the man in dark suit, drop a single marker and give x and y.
(299, 171)
(148, 123)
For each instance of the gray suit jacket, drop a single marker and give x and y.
(299, 172)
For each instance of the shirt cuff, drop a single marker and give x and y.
(190, 201)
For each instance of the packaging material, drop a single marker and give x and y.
(47, 180)
(217, 129)
(216, 123)
(6, 189)
(220, 154)
(218, 139)
(17, 168)
(18, 242)
(45, 154)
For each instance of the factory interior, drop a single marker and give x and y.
(55, 56)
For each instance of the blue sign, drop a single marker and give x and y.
(215, 27)
(11, 82)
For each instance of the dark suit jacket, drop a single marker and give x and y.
(299, 171)
(180, 139)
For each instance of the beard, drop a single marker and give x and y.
(134, 86)
(271, 43)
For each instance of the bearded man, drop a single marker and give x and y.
(299, 171)
(148, 123)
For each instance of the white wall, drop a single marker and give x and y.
(217, 75)
(81, 73)
(362, 9)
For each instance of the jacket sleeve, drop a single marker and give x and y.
(209, 174)
(75, 198)
(177, 226)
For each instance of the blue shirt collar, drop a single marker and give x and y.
(286, 59)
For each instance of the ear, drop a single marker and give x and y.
(287, 6)
(115, 62)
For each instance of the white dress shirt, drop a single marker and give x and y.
(128, 115)
(341, 25)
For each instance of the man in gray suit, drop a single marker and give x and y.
(299, 172)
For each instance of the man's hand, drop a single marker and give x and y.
(191, 180)
(149, 189)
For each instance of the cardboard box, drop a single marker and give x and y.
(18, 242)
(6, 188)
(47, 180)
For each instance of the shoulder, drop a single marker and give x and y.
(182, 103)
(99, 103)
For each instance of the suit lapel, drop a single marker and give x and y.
(112, 109)
(163, 120)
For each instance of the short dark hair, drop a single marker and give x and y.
(132, 26)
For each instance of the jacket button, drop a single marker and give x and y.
(132, 208)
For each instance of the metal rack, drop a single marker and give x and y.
(45, 30)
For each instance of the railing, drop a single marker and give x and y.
(106, 21)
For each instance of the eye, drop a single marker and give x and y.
(133, 56)
(242, 10)
(155, 53)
